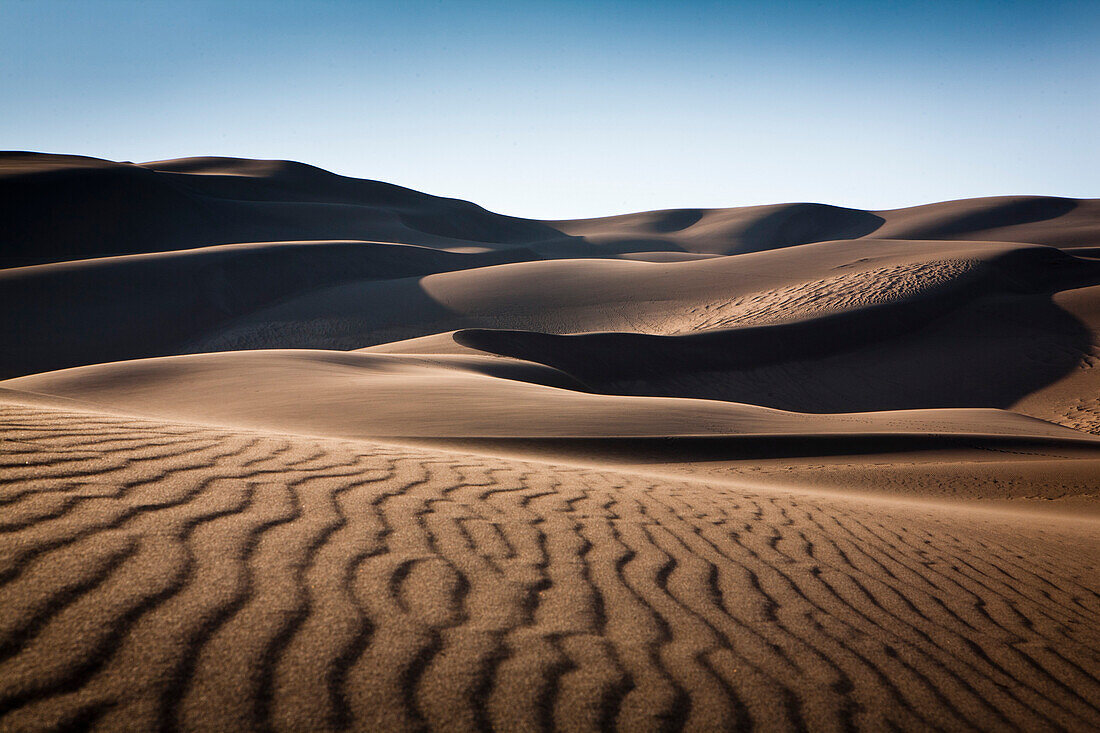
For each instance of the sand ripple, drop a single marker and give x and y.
(157, 574)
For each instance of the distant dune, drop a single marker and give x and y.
(65, 207)
(285, 449)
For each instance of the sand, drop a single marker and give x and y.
(281, 449)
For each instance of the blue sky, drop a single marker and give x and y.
(570, 109)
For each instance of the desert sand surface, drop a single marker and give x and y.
(282, 449)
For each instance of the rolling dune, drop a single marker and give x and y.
(66, 207)
(573, 296)
(363, 395)
(282, 449)
(156, 303)
(1058, 222)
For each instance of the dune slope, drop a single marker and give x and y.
(133, 306)
(361, 395)
(62, 207)
(157, 574)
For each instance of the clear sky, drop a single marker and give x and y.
(570, 109)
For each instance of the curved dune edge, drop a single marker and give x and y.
(196, 202)
(278, 581)
(919, 278)
(365, 395)
(139, 305)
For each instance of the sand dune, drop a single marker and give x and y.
(49, 200)
(362, 395)
(1059, 222)
(570, 296)
(61, 208)
(283, 449)
(126, 307)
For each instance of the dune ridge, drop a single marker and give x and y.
(196, 202)
(156, 303)
(366, 395)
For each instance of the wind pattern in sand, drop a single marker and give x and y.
(159, 575)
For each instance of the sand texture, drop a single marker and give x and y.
(285, 450)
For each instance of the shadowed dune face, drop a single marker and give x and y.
(726, 231)
(884, 359)
(115, 308)
(59, 207)
(1032, 219)
(979, 337)
(64, 207)
(363, 395)
(574, 296)
(1001, 350)
(804, 223)
(1045, 220)
(1010, 212)
(286, 450)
